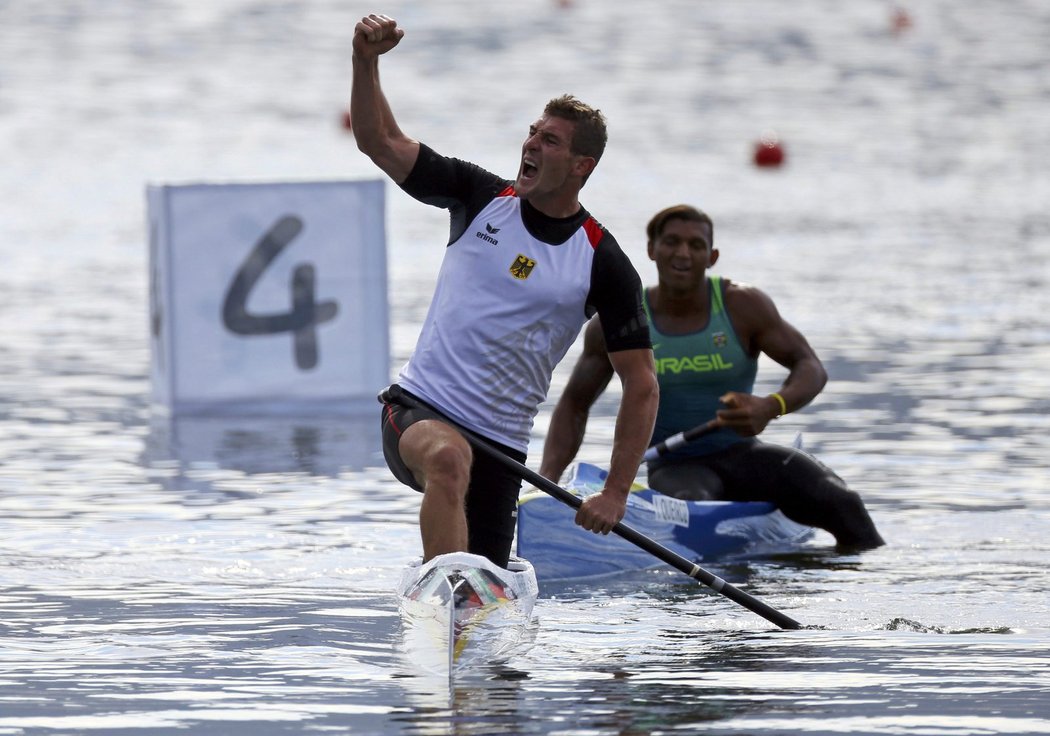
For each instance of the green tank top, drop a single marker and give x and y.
(694, 370)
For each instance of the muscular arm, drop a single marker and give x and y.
(634, 428)
(588, 380)
(763, 330)
(635, 418)
(634, 423)
(375, 129)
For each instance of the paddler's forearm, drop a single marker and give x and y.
(375, 129)
(634, 430)
(589, 378)
(368, 104)
(805, 381)
(564, 437)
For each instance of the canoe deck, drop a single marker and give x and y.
(697, 530)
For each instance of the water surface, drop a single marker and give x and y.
(235, 575)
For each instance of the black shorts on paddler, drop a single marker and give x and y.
(492, 496)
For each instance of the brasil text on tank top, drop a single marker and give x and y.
(694, 370)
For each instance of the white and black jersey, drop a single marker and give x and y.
(514, 289)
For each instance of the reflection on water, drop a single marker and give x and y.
(325, 445)
(226, 575)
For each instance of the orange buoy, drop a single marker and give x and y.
(769, 153)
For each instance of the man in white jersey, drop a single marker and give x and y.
(525, 267)
(707, 334)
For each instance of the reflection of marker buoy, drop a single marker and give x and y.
(768, 151)
(344, 120)
(901, 20)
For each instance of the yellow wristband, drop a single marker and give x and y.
(783, 404)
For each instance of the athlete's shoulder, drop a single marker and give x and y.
(434, 172)
(597, 234)
(748, 303)
(742, 291)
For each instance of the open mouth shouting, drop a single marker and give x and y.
(528, 170)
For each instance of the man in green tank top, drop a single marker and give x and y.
(707, 334)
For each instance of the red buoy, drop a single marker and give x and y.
(901, 21)
(768, 151)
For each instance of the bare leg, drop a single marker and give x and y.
(439, 458)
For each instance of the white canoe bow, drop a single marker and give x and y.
(460, 611)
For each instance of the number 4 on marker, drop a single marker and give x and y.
(305, 314)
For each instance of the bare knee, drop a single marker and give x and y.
(438, 456)
(446, 468)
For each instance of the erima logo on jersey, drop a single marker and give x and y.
(488, 238)
(694, 364)
(522, 267)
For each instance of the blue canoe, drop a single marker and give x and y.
(558, 549)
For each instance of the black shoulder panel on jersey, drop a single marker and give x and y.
(459, 186)
(616, 295)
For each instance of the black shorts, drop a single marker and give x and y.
(492, 496)
(805, 490)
